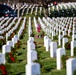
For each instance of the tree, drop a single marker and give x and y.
(42, 3)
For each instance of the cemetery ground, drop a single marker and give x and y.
(48, 64)
(59, 29)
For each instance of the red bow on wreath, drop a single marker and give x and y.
(3, 69)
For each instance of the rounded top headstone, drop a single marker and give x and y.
(74, 20)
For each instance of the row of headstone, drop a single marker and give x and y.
(49, 28)
(73, 42)
(54, 52)
(2, 29)
(37, 26)
(36, 11)
(60, 51)
(31, 52)
(57, 53)
(57, 27)
(6, 28)
(3, 20)
(23, 11)
(30, 27)
(61, 36)
(6, 24)
(65, 5)
(32, 68)
(42, 24)
(47, 44)
(35, 23)
(47, 41)
(22, 28)
(13, 29)
(30, 8)
(7, 48)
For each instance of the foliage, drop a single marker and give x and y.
(17, 45)
(21, 37)
(55, 37)
(45, 69)
(74, 38)
(67, 45)
(74, 50)
(3, 70)
(42, 34)
(74, 72)
(65, 36)
(1, 42)
(12, 35)
(63, 13)
(10, 57)
(60, 33)
(32, 35)
(36, 61)
(63, 59)
(70, 33)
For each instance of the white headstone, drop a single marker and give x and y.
(73, 44)
(64, 41)
(45, 38)
(30, 41)
(14, 40)
(30, 46)
(60, 52)
(69, 31)
(10, 43)
(59, 39)
(70, 66)
(31, 38)
(53, 48)
(73, 37)
(31, 56)
(48, 44)
(16, 36)
(53, 34)
(6, 49)
(64, 33)
(2, 58)
(33, 69)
